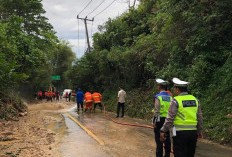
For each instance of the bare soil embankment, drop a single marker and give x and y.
(36, 134)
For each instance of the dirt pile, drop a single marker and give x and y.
(11, 107)
(36, 134)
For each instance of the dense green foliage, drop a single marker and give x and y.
(188, 39)
(30, 52)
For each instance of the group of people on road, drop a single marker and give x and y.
(180, 114)
(49, 95)
(89, 99)
(96, 100)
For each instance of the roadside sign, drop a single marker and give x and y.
(55, 77)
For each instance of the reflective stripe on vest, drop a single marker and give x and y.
(164, 104)
(88, 97)
(186, 118)
(96, 99)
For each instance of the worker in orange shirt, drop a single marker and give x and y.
(97, 98)
(40, 95)
(50, 94)
(88, 101)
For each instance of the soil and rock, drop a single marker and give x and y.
(42, 132)
(37, 133)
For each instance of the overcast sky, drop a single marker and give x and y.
(63, 16)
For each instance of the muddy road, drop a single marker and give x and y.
(48, 131)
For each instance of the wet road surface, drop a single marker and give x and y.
(119, 141)
(78, 143)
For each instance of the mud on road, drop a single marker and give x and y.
(36, 134)
(43, 132)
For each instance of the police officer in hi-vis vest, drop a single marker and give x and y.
(162, 102)
(185, 119)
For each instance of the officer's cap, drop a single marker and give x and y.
(178, 83)
(161, 82)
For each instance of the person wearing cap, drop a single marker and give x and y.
(121, 101)
(186, 116)
(162, 101)
(79, 99)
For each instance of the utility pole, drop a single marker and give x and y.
(129, 4)
(86, 29)
(134, 4)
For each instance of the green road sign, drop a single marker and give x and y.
(55, 77)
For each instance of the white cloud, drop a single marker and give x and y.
(79, 46)
(60, 8)
(80, 28)
(63, 16)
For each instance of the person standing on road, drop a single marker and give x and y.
(57, 94)
(97, 99)
(88, 101)
(40, 94)
(121, 101)
(186, 116)
(69, 96)
(66, 96)
(162, 101)
(79, 99)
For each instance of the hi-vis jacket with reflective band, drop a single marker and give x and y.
(186, 118)
(88, 97)
(165, 100)
(96, 97)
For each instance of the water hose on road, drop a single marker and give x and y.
(144, 126)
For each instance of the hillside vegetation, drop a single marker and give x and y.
(188, 39)
(30, 53)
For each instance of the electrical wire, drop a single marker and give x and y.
(96, 7)
(86, 43)
(84, 7)
(78, 34)
(91, 31)
(105, 8)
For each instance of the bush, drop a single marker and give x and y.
(10, 106)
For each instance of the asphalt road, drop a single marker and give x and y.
(119, 140)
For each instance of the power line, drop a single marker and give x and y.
(105, 8)
(96, 7)
(78, 37)
(85, 7)
(92, 30)
(86, 29)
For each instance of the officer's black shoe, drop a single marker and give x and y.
(122, 116)
(117, 117)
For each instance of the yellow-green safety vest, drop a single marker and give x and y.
(164, 104)
(186, 118)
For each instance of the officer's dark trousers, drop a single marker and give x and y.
(120, 105)
(78, 105)
(99, 104)
(184, 143)
(159, 144)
